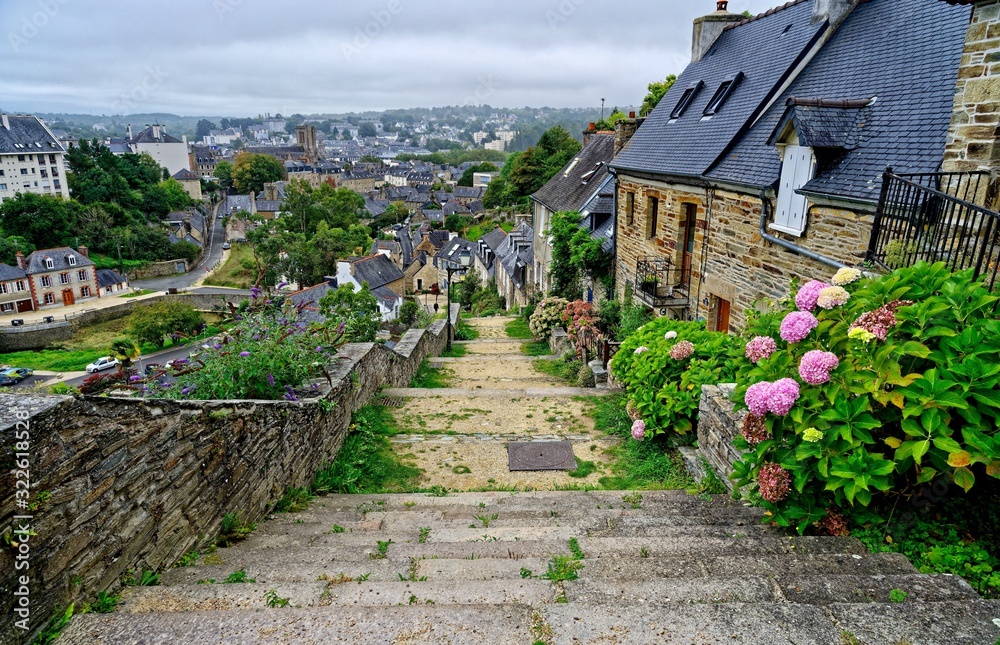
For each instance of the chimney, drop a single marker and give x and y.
(707, 29)
(129, 131)
(834, 11)
(84, 251)
(156, 130)
(6, 121)
(21, 264)
(624, 130)
(588, 134)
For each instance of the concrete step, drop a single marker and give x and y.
(830, 589)
(481, 360)
(531, 392)
(436, 536)
(644, 592)
(226, 597)
(938, 623)
(454, 624)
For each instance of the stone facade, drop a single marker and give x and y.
(136, 484)
(730, 262)
(718, 424)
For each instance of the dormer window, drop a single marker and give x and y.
(71, 260)
(49, 264)
(722, 94)
(686, 99)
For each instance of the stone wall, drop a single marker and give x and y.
(31, 337)
(136, 484)
(718, 423)
(731, 261)
(158, 270)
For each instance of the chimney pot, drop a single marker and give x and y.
(631, 115)
(20, 261)
(723, 5)
(84, 251)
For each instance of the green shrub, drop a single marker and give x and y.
(408, 312)
(665, 391)
(153, 323)
(914, 396)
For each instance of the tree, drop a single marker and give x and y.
(224, 173)
(367, 129)
(657, 89)
(252, 171)
(467, 176)
(126, 351)
(358, 310)
(44, 220)
(575, 255)
(408, 312)
(609, 123)
(153, 323)
(9, 246)
(204, 128)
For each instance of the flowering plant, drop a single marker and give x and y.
(663, 366)
(547, 315)
(896, 385)
(578, 317)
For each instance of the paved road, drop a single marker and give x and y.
(212, 256)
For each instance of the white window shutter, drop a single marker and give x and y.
(796, 170)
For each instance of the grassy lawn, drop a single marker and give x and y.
(519, 329)
(479, 230)
(537, 348)
(136, 294)
(238, 272)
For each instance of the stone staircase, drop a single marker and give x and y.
(671, 568)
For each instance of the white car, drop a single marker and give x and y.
(102, 364)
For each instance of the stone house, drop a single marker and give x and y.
(15, 295)
(449, 254)
(381, 276)
(485, 259)
(59, 277)
(191, 181)
(764, 161)
(513, 266)
(111, 282)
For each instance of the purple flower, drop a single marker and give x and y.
(290, 396)
(244, 354)
(217, 346)
(760, 348)
(682, 350)
(255, 292)
(319, 348)
(270, 380)
(797, 325)
(783, 394)
(185, 391)
(315, 386)
(758, 398)
(639, 430)
(282, 285)
(238, 318)
(806, 298)
(815, 366)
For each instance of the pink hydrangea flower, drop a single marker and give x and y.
(797, 325)
(754, 429)
(815, 366)
(760, 348)
(773, 482)
(758, 398)
(641, 350)
(682, 350)
(833, 297)
(782, 396)
(806, 298)
(639, 430)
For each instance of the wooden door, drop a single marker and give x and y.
(687, 239)
(722, 315)
(68, 298)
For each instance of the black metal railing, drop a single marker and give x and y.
(937, 217)
(658, 283)
(596, 345)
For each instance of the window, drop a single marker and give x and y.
(4, 289)
(20, 286)
(722, 94)
(56, 183)
(49, 299)
(45, 173)
(71, 260)
(82, 275)
(46, 281)
(7, 307)
(686, 98)
(24, 171)
(49, 264)
(3, 186)
(63, 278)
(20, 157)
(52, 159)
(108, 290)
(652, 217)
(630, 208)
(84, 292)
(797, 168)
(1, 172)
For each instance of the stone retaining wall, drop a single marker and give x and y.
(718, 423)
(136, 484)
(158, 270)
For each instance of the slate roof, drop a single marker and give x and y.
(453, 248)
(237, 203)
(385, 245)
(433, 215)
(186, 175)
(8, 273)
(309, 299)
(376, 270)
(269, 205)
(573, 186)
(765, 50)
(109, 278)
(913, 78)
(146, 136)
(386, 295)
(517, 251)
(376, 207)
(27, 135)
(35, 262)
(467, 192)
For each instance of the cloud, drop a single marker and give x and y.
(244, 57)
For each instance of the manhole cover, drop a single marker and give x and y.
(392, 402)
(540, 455)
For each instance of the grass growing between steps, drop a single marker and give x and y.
(519, 329)
(537, 348)
(366, 463)
(431, 378)
(465, 331)
(456, 351)
(560, 368)
(639, 465)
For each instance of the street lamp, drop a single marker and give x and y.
(464, 260)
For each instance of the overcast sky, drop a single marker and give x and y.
(245, 57)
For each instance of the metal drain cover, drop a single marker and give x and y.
(540, 455)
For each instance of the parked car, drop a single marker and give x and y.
(225, 246)
(16, 374)
(102, 364)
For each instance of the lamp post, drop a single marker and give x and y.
(464, 260)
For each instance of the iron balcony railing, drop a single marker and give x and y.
(659, 284)
(937, 217)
